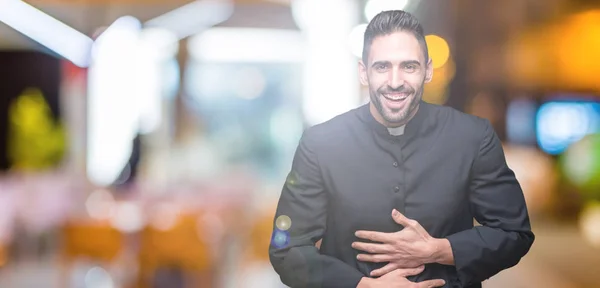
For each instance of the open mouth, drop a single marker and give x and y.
(395, 101)
(396, 96)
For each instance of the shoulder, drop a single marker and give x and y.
(461, 123)
(331, 130)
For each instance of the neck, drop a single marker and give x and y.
(387, 124)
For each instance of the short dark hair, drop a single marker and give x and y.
(388, 22)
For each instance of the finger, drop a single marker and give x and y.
(377, 258)
(412, 271)
(374, 236)
(401, 219)
(384, 270)
(431, 283)
(372, 247)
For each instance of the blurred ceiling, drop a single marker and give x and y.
(88, 15)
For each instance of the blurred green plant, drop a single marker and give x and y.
(35, 140)
(581, 165)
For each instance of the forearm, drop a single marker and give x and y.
(305, 267)
(497, 202)
(482, 252)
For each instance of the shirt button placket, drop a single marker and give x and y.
(398, 188)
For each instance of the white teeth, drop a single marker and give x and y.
(395, 98)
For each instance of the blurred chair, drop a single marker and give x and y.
(179, 247)
(255, 268)
(260, 238)
(97, 241)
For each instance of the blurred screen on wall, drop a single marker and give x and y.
(564, 120)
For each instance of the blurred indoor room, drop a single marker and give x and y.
(144, 143)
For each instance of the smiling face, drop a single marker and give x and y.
(395, 70)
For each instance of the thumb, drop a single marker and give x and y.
(400, 219)
(432, 283)
(384, 270)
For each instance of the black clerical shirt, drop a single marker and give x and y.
(447, 169)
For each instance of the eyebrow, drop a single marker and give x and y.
(403, 63)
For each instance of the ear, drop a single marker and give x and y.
(429, 71)
(362, 72)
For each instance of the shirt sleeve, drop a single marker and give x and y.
(498, 204)
(292, 250)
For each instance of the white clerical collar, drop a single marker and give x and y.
(397, 131)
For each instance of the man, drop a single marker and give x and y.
(392, 187)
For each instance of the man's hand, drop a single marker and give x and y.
(411, 247)
(397, 279)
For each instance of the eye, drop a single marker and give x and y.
(410, 68)
(380, 67)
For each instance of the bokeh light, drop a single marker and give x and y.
(100, 205)
(164, 216)
(436, 91)
(575, 38)
(283, 222)
(97, 277)
(291, 178)
(589, 223)
(439, 51)
(581, 165)
(280, 238)
(559, 124)
(565, 46)
(127, 217)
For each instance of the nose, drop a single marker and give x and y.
(396, 79)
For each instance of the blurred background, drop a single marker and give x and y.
(144, 143)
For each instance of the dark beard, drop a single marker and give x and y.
(414, 102)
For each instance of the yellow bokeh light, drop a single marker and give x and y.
(576, 38)
(557, 56)
(283, 222)
(436, 91)
(588, 223)
(439, 51)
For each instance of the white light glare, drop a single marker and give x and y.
(247, 45)
(124, 93)
(193, 17)
(112, 105)
(42, 28)
(356, 40)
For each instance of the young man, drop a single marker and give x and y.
(392, 187)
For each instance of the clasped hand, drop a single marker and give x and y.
(410, 247)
